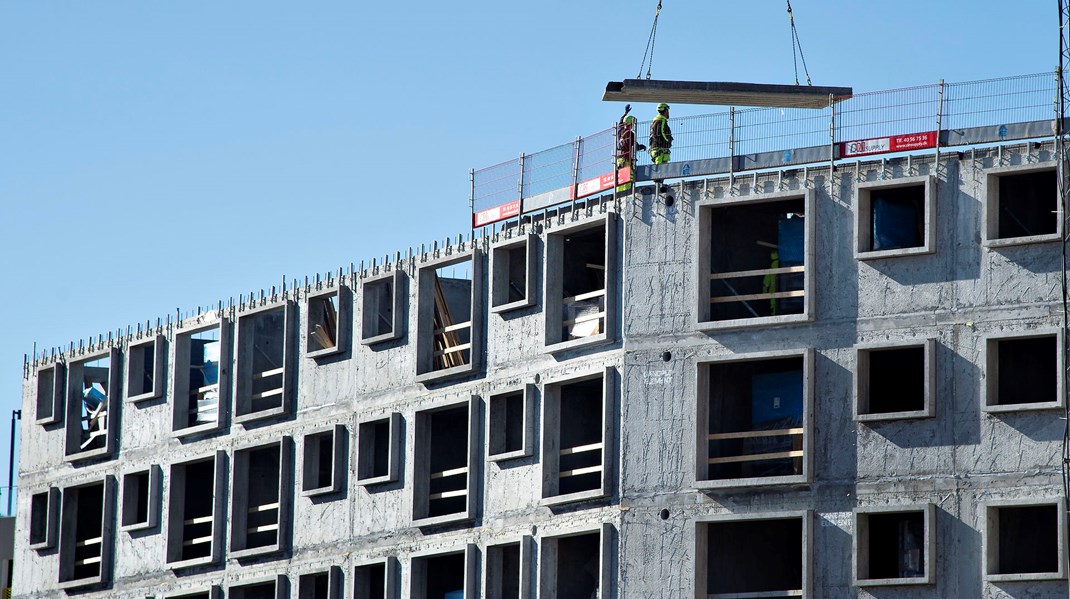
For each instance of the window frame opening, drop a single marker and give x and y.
(86, 540)
(376, 580)
(146, 369)
(445, 345)
(1000, 544)
(511, 424)
(899, 538)
(883, 370)
(49, 400)
(752, 565)
(598, 543)
(207, 508)
(579, 309)
(436, 461)
(379, 450)
(884, 208)
(277, 587)
(570, 454)
(92, 411)
(993, 207)
(141, 499)
(513, 267)
(765, 275)
(195, 393)
(323, 584)
(264, 365)
(427, 578)
(997, 382)
(379, 326)
(328, 322)
(262, 474)
(771, 378)
(508, 569)
(43, 529)
(322, 473)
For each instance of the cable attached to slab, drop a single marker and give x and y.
(795, 43)
(650, 45)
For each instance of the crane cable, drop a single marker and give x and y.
(650, 45)
(795, 43)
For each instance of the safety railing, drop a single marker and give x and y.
(899, 120)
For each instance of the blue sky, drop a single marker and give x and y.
(156, 156)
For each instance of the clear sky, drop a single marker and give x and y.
(163, 155)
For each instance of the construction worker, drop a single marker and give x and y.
(660, 136)
(769, 280)
(626, 148)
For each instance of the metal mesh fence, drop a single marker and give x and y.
(596, 155)
(777, 129)
(496, 185)
(1019, 99)
(548, 170)
(694, 137)
(894, 112)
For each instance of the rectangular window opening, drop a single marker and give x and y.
(503, 572)
(49, 396)
(322, 467)
(1026, 205)
(583, 284)
(1027, 539)
(44, 513)
(895, 380)
(896, 545)
(258, 503)
(323, 322)
(144, 369)
(262, 362)
(192, 511)
(320, 585)
(1023, 371)
(439, 577)
(378, 448)
(82, 550)
(578, 565)
(757, 258)
(380, 307)
(756, 424)
(513, 274)
(140, 499)
(445, 448)
(895, 218)
(452, 334)
(754, 556)
(580, 436)
(260, 590)
(197, 378)
(509, 421)
(88, 404)
(371, 581)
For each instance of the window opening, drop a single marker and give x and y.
(513, 279)
(83, 554)
(262, 361)
(756, 426)
(322, 469)
(578, 565)
(44, 508)
(1027, 370)
(140, 494)
(508, 423)
(754, 556)
(49, 394)
(93, 402)
(192, 511)
(896, 545)
(447, 453)
(453, 316)
(315, 586)
(143, 362)
(262, 590)
(896, 218)
(377, 459)
(1027, 204)
(258, 499)
(583, 284)
(379, 309)
(1027, 539)
(199, 379)
(503, 571)
(757, 259)
(896, 380)
(323, 323)
(370, 582)
(442, 577)
(581, 425)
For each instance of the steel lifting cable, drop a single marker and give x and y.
(795, 43)
(650, 45)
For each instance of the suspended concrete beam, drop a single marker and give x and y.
(723, 93)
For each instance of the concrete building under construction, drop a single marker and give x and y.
(832, 375)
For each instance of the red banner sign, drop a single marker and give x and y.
(885, 145)
(495, 214)
(603, 182)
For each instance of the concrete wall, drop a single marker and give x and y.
(958, 460)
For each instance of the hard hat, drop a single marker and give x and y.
(629, 120)
(663, 107)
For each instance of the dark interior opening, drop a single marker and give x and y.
(136, 498)
(756, 556)
(46, 393)
(88, 531)
(750, 237)
(315, 586)
(198, 480)
(142, 364)
(262, 489)
(94, 402)
(449, 451)
(374, 448)
(505, 564)
(507, 423)
(1028, 204)
(203, 382)
(39, 518)
(581, 424)
(1028, 539)
(264, 590)
(319, 461)
(1028, 370)
(518, 269)
(583, 270)
(896, 545)
(445, 576)
(759, 395)
(378, 308)
(896, 380)
(369, 582)
(897, 218)
(323, 322)
(267, 345)
(453, 306)
(578, 566)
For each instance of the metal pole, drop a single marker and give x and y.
(616, 157)
(731, 148)
(575, 173)
(15, 415)
(939, 125)
(832, 136)
(471, 205)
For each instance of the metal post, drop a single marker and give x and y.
(731, 148)
(939, 126)
(616, 157)
(471, 202)
(575, 173)
(832, 136)
(15, 415)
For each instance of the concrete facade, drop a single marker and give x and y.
(656, 518)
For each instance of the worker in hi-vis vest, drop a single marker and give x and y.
(626, 148)
(660, 136)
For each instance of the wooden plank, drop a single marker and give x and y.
(267, 373)
(753, 273)
(454, 349)
(782, 432)
(584, 296)
(263, 528)
(88, 542)
(267, 507)
(267, 393)
(457, 327)
(197, 541)
(448, 494)
(449, 473)
(757, 457)
(581, 449)
(87, 561)
(579, 471)
(756, 296)
(200, 520)
(587, 318)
